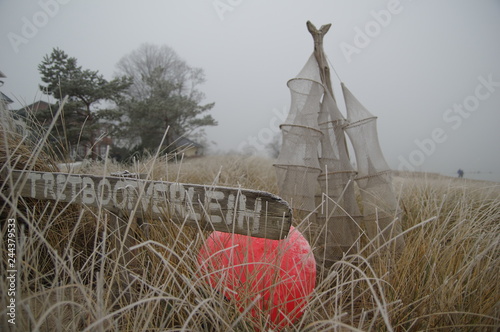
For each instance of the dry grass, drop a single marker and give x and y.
(70, 278)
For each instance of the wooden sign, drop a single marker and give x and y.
(233, 210)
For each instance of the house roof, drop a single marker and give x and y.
(38, 106)
(184, 141)
(32, 108)
(5, 99)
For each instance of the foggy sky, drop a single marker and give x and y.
(430, 70)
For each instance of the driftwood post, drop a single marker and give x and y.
(319, 53)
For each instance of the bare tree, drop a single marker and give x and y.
(164, 94)
(274, 146)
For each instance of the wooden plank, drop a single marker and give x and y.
(232, 210)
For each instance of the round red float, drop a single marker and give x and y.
(272, 278)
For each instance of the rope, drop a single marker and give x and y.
(331, 66)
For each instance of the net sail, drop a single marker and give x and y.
(340, 213)
(297, 167)
(380, 206)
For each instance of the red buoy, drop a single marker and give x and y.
(273, 278)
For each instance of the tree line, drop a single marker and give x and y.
(154, 97)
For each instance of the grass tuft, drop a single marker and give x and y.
(72, 275)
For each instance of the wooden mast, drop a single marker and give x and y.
(319, 53)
